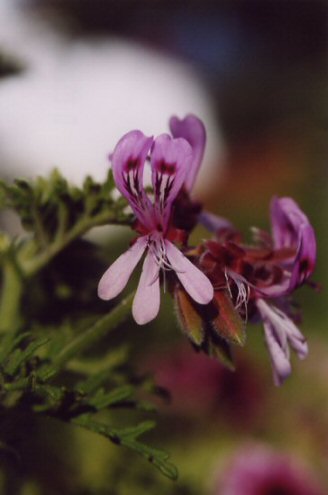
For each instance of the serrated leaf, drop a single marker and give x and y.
(104, 399)
(93, 382)
(52, 396)
(108, 186)
(103, 365)
(20, 357)
(228, 324)
(159, 458)
(9, 342)
(127, 437)
(135, 431)
(144, 405)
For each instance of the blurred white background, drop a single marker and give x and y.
(75, 99)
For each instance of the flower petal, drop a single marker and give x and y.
(280, 332)
(116, 277)
(147, 299)
(305, 258)
(192, 129)
(214, 223)
(128, 161)
(170, 161)
(286, 218)
(193, 280)
(280, 361)
(292, 228)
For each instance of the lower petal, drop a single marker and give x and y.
(193, 280)
(116, 277)
(147, 299)
(280, 361)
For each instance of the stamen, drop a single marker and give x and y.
(243, 288)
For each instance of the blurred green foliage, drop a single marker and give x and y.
(51, 323)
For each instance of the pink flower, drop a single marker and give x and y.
(261, 277)
(192, 130)
(200, 387)
(172, 160)
(258, 470)
(291, 229)
(293, 233)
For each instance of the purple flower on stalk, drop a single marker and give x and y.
(172, 160)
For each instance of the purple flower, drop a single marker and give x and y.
(261, 277)
(291, 229)
(192, 130)
(171, 161)
(258, 470)
(280, 333)
(293, 234)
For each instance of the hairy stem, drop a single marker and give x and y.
(92, 335)
(32, 265)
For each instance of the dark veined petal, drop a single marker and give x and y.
(128, 161)
(305, 257)
(286, 218)
(291, 228)
(193, 280)
(192, 129)
(146, 302)
(170, 161)
(116, 277)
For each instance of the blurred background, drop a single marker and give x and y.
(77, 74)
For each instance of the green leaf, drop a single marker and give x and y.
(9, 342)
(128, 437)
(101, 366)
(103, 399)
(20, 357)
(53, 396)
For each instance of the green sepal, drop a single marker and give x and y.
(190, 319)
(228, 324)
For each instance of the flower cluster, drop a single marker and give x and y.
(221, 284)
(260, 277)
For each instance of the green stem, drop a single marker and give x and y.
(31, 266)
(10, 297)
(92, 335)
(39, 230)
